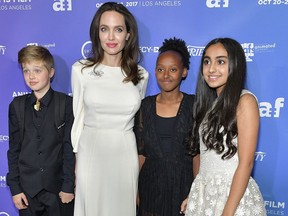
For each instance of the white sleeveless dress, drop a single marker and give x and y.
(210, 189)
(102, 136)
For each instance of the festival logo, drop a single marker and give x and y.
(149, 49)
(2, 50)
(16, 5)
(217, 3)
(249, 51)
(62, 5)
(259, 156)
(16, 94)
(3, 181)
(195, 50)
(267, 109)
(251, 48)
(4, 138)
(274, 207)
(46, 45)
(86, 49)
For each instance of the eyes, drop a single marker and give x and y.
(35, 71)
(162, 69)
(218, 61)
(116, 29)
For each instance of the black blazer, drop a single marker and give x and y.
(43, 159)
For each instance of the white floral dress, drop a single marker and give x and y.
(211, 187)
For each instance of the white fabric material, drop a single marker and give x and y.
(102, 135)
(211, 187)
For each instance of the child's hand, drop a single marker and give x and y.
(66, 197)
(20, 201)
(183, 206)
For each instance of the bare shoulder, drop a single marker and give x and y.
(247, 105)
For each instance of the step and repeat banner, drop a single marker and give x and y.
(259, 25)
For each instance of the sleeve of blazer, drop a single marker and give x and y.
(68, 155)
(13, 152)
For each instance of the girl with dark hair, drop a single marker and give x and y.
(226, 131)
(162, 127)
(107, 91)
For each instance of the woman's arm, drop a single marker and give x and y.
(196, 164)
(248, 124)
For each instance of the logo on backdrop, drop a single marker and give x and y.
(249, 51)
(147, 3)
(274, 207)
(15, 5)
(2, 50)
(251, 48)
(217, 3)
(62, 5)
(48, 45)
(195, 50)
(259, 156)
(86, 49)
(4, 214)
(149, 49)
(4, 138)
(267, 109)
(3, 181)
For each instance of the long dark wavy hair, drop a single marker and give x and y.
(221, 110)
(131, 54)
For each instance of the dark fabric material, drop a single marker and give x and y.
(166, 176)
(43, 159)
(165, 131)
(47, 204)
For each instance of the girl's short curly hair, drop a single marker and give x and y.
(179, 46)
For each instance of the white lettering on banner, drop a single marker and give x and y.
(264, 2)
(15, 94)
(16, 1)
(4, 213)
(275, 212)
(4, 138)
(274, 204)
(2, 178)
(259, 156)
(32, 44)
(98, 5)
(146, 3)
(273, 2)
(217, 3)
(168, 3)
(195, 50)
(265, 108)
(249, 51)
(2, 49)
(62, 5)
(149, 49)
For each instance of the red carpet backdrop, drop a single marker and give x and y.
(259, 25)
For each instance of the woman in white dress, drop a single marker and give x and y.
(226, 131)
(107, 91)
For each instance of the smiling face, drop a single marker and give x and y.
(170, 71)
(216, 67)
(113, 33)
(37, 77)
